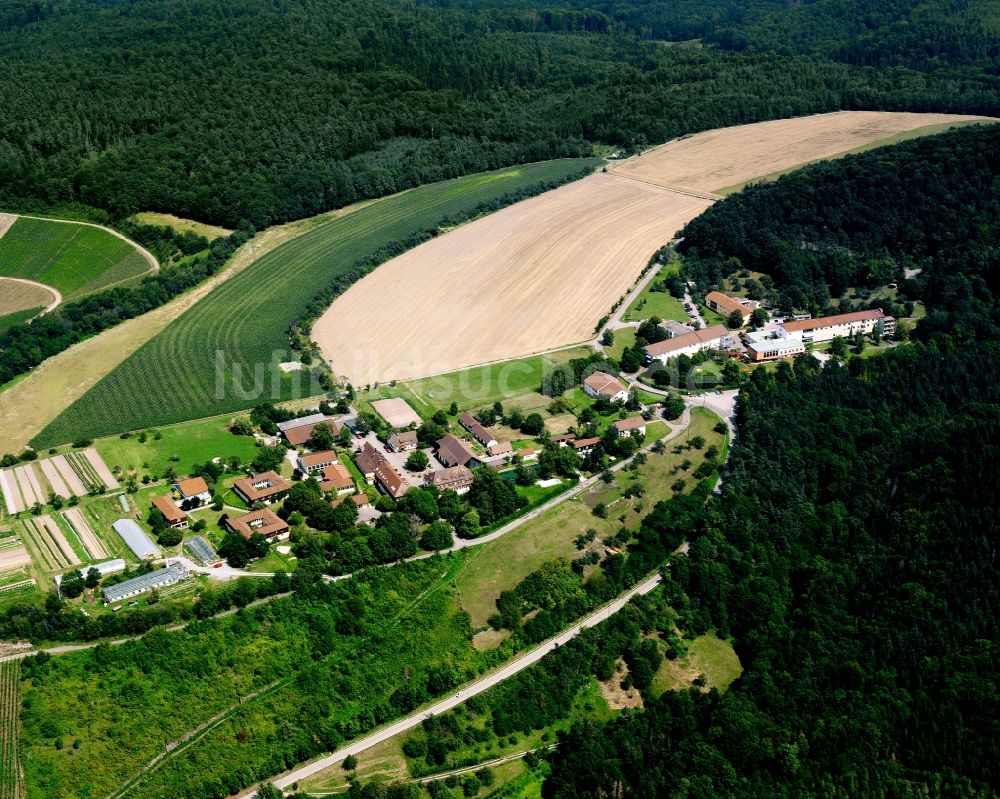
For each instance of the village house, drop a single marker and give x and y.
(500, 449)
(476, 430)
(601, 384)
(361, 500)
(194, 490)
(300, 431)
(452, 451)
(403, 442)
(316, 461)
(336, 477)
(636, 426)
(264, 522)
(584, 446)
(175, 517)
(379, 471)
(458, 478)
(716, 337)
(264, 487)
(724, 305)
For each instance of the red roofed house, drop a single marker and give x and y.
(175, 517)
(403, 442)
(361, 500)
(725, 305)
(263, 487)
(457, 478)
(193, 488)
(378, 470)
(299, 431)
(584, 445)
(629, 427)
(264, 522)
(335, 477)
(476, 429)
(317, 461)
(601, 384)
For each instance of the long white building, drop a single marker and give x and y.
(715, 337)
(845, 325)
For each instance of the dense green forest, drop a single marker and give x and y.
(852, 551)
(239, 110)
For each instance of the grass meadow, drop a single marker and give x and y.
(221, 355)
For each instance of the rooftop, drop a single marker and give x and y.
(262, 486)
(829, 321)
(192, 487)
(336, 477)
(136, 539)
(443, 478)
(302, 434)
(622, 425)
(291, 424)
(313, 459)
(453, 451)
(473, 425)
(730, 304)
(688, 339)
(169, 509)
(264, 522)
(605, 384)
(169, 575)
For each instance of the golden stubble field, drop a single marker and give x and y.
(22, 295)
(531, 277)
(540, 274)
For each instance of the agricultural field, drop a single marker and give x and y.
(237, 334)
(76, 473)
(74, 258)
(501, 564)
(723, 160)
(18, 297)
(11, 786)
(525, 279)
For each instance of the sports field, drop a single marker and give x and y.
(74, 258)
(717, 160)
(221, 355)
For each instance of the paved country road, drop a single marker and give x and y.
(472, 689)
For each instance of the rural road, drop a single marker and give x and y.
(51, 289)
(484, 683)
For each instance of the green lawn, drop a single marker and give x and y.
(657, 303)
(75, 259)
(221, 354)
(190, 443)
(515, 382)
(624, 337)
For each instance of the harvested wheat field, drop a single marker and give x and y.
(717, 160)
(540, 274)
(528, 278)
(23, 295)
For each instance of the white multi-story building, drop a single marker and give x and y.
(845, 325)
(716, 337)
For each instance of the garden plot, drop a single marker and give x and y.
(11, 494)
(100, 468)
(74, 483)
(50, 543)
(59, 486)
(94, 546)
(27, 486)
(85, 471)
(13, 555)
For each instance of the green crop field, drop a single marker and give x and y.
(75, 259)
(10, 787)
(222, 354)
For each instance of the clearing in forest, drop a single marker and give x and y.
(540, 274)
(73, 257)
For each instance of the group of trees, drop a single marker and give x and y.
(179, 111)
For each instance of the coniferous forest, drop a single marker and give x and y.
(239, 110)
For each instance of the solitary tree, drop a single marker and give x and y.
(735, 320)
(417, 461)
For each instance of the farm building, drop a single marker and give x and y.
(601, 384)
(264, 522)
(194, 488)
(452, 451)
(161, 578)
(397, 412)
(477, 430)
(136, 539)
(300, 431)
(175, 517)
(202, 550)
(458, 478)
(842, 325)
(316, 461)
(636, 426)
(335, 477)
(403, 442)
(379, 470)
(263, 487)
(724, 304)
(716, 337)
(103, 569)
